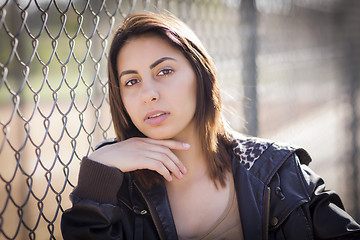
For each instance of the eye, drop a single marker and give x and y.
(131, 82)
(165, 72)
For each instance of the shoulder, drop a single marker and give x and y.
(279, 167)
(250, 150)
(247, 150)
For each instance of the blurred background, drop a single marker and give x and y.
(289, 71)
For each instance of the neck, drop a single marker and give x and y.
(193, 159)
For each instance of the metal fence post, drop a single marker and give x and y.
(348, 18)
(353, 78)
(248, 18)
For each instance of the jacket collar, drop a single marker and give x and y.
(251, 196)
(158, 203)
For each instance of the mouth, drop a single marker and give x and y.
(156, 117)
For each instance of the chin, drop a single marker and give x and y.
(159, 135)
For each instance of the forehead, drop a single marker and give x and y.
(145, 49)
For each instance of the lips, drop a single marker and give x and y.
(156, 117)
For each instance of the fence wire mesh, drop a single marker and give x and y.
(54, 105)
(53, 87)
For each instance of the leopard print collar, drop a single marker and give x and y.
(248, 150)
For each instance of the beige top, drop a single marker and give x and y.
(228, 226)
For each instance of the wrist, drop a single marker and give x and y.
(98, 182)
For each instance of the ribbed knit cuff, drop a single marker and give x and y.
(98, 182)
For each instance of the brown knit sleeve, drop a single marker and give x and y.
(98, 182)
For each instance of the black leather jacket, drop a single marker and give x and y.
(278, 196)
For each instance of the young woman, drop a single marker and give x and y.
(174, 170)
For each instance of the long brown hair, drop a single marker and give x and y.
(208, 103)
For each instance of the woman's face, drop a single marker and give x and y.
(158, 87)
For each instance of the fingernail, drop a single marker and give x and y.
(186, 145)
(184, 170)
(181, 175)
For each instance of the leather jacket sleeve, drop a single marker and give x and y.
(91, 220)
(329, 218)
(94, 214)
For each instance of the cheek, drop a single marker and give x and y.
(191, 88)
(129, 106)
(186, 95)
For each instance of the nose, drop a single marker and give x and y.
(149, 92)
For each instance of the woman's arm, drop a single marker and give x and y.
(329, 218)
(95, 214)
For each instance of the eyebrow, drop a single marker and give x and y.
(157, 62)
(127, 72)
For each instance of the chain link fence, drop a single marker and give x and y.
(54, 107)
(53, 85)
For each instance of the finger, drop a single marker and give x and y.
(165, 150)
(172, 144)
(155, 165)
(167, 162)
